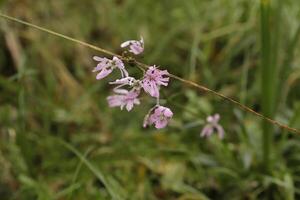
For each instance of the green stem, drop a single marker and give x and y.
(267, 80)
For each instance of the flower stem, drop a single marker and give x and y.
(142, 66)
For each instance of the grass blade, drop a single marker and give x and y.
(95, 171)
(268, 78)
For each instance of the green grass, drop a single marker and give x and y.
(268, 77)
(59, 139)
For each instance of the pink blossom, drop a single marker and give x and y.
(160, 117)
(153, 79)
(124, 98)
(136, 47)
(127, 89)
(106, 66)
(212, 124)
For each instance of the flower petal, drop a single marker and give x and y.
(127, 43)
(161, 124)
(102, 74)
(220, 131)
(206, 131)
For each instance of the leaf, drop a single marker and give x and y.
(107, 183)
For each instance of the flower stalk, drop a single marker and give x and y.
(142, 66)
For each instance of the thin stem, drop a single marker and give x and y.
(157, 101)
(143, 66)
(60, 35)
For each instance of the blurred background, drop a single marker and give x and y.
(59, 139)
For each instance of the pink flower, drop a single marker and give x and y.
(106, 66)
(124, 98)
(135, 47)
(153, 79)
(160, 117)
(212, 124)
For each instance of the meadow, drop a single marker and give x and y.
(59, 139)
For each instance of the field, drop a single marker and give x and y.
(59, 139)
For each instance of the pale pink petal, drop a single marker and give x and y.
(97, 58)
(127, 43)
(115, 100)
(206, 131)
(220, 131)
(103, 73)
(129, 105)
(136, 49)
(210, 119)
(168, 113)
(216, 118)
(121, 91)
(161, 124)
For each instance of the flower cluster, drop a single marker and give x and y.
(128, 89)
